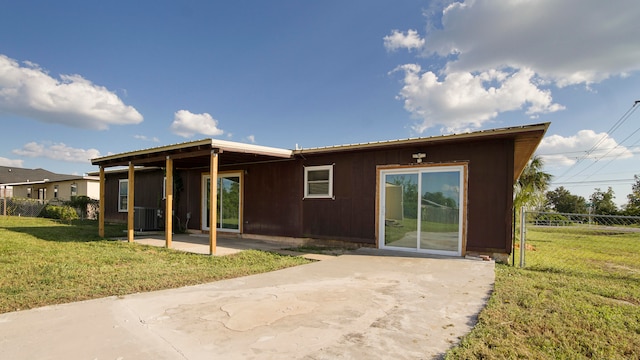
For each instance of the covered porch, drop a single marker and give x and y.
(207, 155)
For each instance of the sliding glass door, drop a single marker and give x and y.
(228, 202)
(421, 209)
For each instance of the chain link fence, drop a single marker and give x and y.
(572, 226)
(33, 208)
(21, 207)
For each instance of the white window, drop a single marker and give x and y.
(318, 181)
(123, 195)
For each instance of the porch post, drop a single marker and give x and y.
(168, 212)
(213, 202)
(101, 202)
(130, 202)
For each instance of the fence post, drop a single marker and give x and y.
(523, 229)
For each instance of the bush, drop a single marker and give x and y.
(66, 213)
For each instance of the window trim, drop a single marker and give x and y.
(307, 170)
(120, 182)
(164, 188)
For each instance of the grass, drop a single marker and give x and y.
(43, 262)
(578, 297)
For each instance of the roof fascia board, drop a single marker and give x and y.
(250, 148)
(178, 151)
(118, 158)
(434, 139)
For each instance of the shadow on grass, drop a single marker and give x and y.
(77, 231)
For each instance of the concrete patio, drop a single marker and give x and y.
(227, 244)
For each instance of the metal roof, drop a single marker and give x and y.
(196, 153)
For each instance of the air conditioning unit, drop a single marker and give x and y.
(145, 219)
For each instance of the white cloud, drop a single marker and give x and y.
(57, 151)
(398, 40)
(187, 124)
(10, 162)
(71, 100)
(463, 100)
(146, 138)
(557, 150)
(509, 55)
(567, 42)
(251, 139)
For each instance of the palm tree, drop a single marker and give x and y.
(529, 190)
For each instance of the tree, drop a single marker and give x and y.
(563, 201)
(530, 188)
(602, 202)
(633, 206)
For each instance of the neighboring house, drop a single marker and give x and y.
(448, 195)
(43, 185)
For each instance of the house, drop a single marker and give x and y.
(45, 186)
(448, 195)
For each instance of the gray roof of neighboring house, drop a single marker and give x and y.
(15, 175)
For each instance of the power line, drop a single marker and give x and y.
(615, 126)
(608, 181)
(615, 157)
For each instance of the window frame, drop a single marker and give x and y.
(164, 188)
(307, 170)
(120, 195)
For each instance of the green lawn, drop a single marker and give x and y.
(44, 262)
(578, 297)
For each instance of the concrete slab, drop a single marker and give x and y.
(357, 306)
(199, 244)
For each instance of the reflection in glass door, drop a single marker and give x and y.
(401, 209)
(421, 209)
(228, 202)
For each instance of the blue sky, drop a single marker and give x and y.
(80, 79)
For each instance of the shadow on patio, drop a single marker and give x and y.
(226, 244)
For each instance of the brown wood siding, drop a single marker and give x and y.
(352, 215)
(148, 193)
(272, 196)
(273, 193)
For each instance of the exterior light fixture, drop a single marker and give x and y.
(419, 157)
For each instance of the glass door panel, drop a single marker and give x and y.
(228, 202)
(401, 210)
(420, 209)
(440, 211)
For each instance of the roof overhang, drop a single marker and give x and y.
(526, 140)
(52, 181)
(195, 153)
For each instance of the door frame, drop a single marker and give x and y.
(205, 199)
(382, 170)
